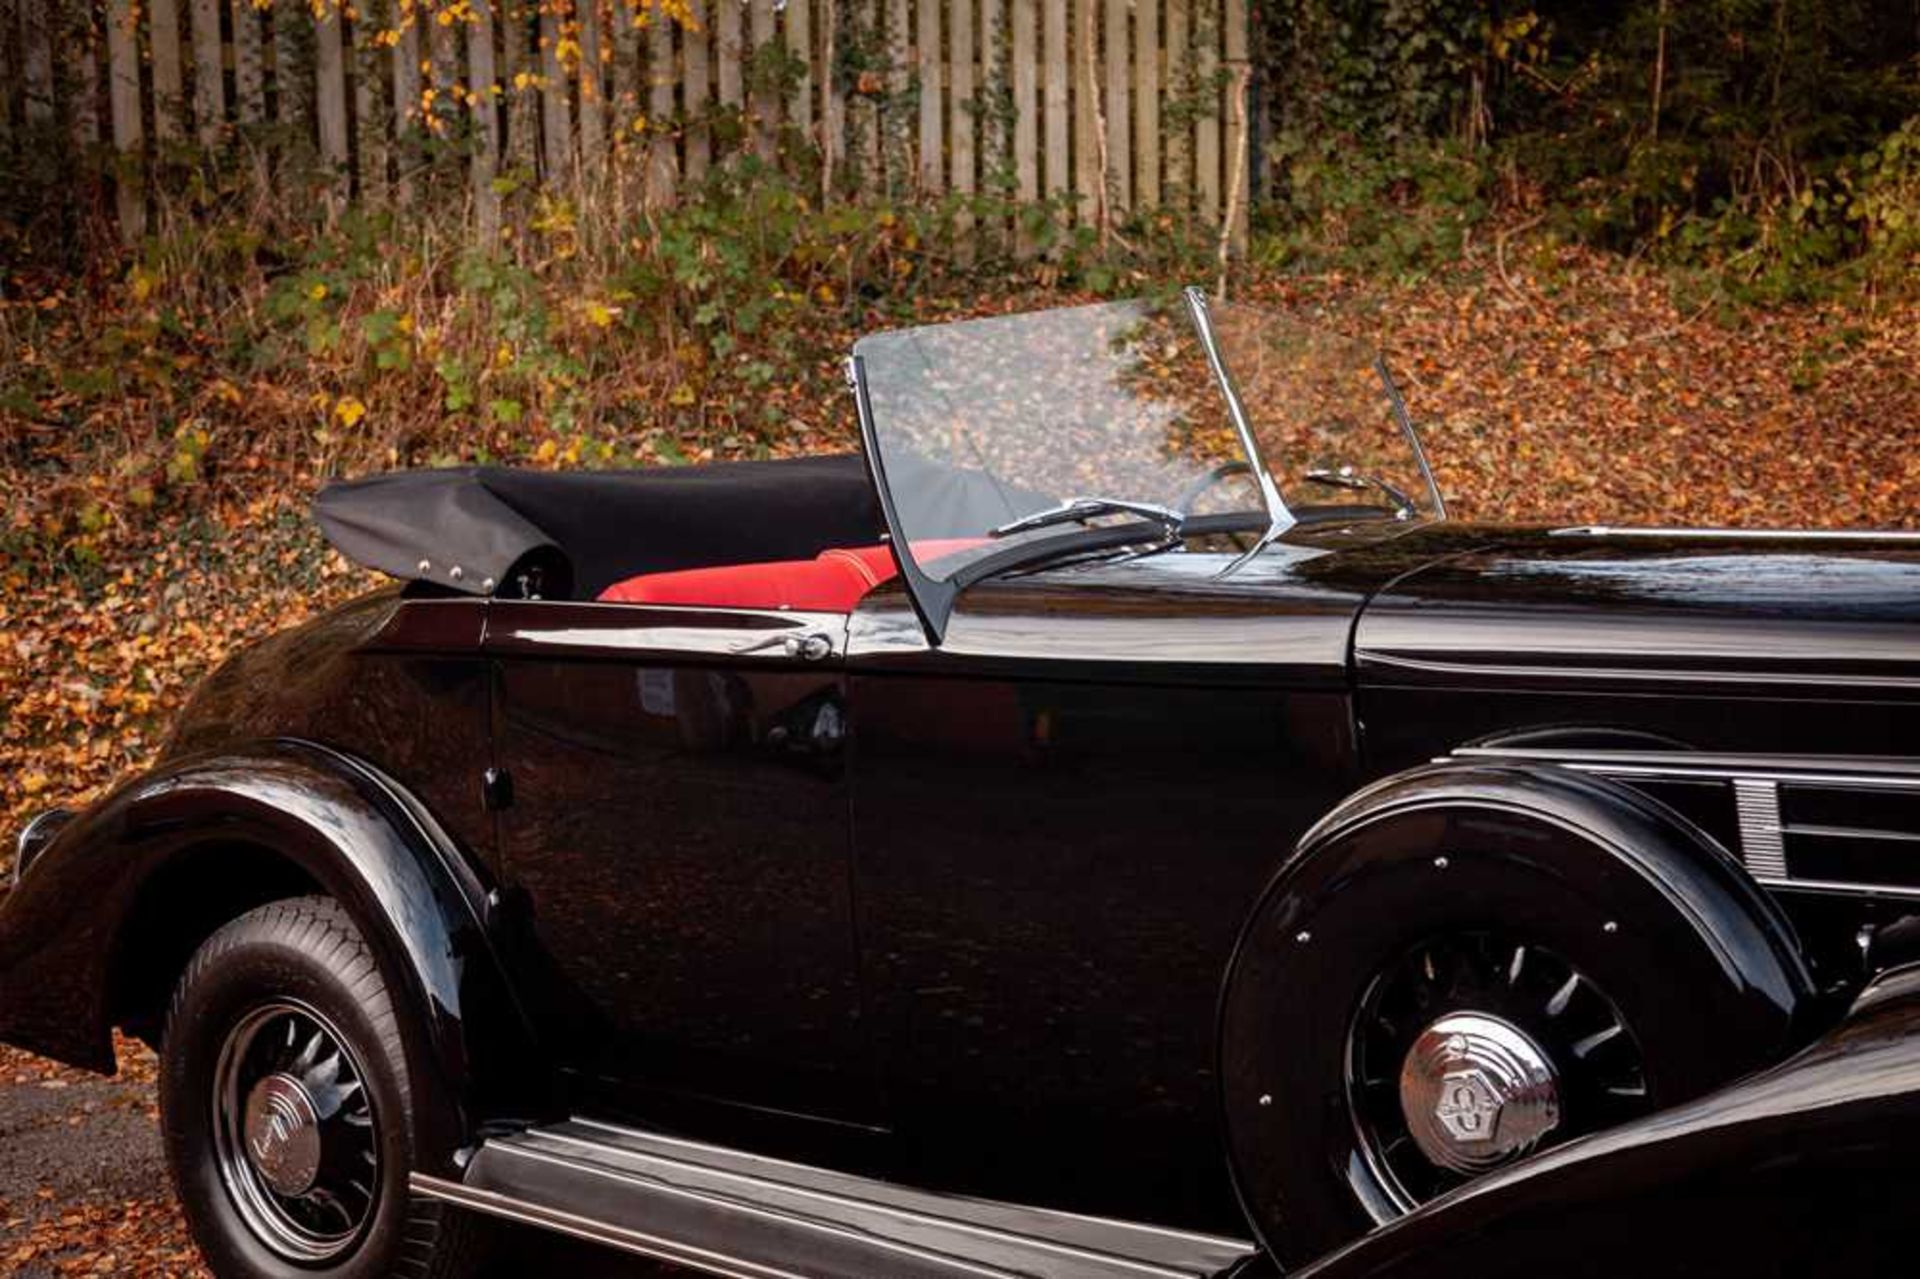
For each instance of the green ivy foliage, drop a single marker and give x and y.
(1768, 141)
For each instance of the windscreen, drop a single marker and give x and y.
(982, 422)
(1324, 415)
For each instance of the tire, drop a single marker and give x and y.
(1386, 934)
(282, 1039)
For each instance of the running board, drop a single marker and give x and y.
(731, 1213)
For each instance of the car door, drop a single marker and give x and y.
(1063, 813)
(676, 833)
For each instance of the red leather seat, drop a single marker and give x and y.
(818, 585)
(832, 582)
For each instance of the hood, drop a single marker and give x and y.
(1600, 607)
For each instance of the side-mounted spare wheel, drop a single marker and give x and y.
(289, 1115)
(1465, 964)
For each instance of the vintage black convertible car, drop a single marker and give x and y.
(1117, 826)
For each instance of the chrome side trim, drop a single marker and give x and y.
(1762, 847)
(1766, 534)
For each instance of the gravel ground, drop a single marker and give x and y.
(84, 1188)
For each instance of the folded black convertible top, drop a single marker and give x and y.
(487, 530)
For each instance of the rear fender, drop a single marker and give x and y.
(328, 822)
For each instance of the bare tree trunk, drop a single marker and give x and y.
(1242, 82)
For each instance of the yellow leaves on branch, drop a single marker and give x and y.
(446, 13)
(348, 411)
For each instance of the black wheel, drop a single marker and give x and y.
(1427, 995)
(287, 1110)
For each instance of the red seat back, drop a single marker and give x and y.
(833, 582)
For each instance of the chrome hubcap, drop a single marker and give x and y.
(1476, 1091)
(1473, 1050)
(295, 1132)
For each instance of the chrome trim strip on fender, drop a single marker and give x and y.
(1864, 770)
(1730, 534)
(1763, 846)
(1755, 782)
(1552, 667)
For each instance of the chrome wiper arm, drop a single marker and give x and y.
(1077, 509)
(1360, 481)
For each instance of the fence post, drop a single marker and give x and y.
(83, 108)
(1206, 150)
(518, 69)
(556, 122)
(1026, 111)
(960, 118)
(932, 152)
(765, 106)
(896, 126)
(695, 42)
(406, 99)
(249, 76)
(1118, 110)
(163, 35)
(1179, 185)
(370, 135)
(330, 100)
(799, 34)
(593, 97)
(484, 94)
(1146, 104)
(1238, 124)
(36, 40)
(209, 88)
(1057, 176)
(991, 102)
(660, 76)
(293, 67)
(728, 51)
(123, 96)
(627, 101)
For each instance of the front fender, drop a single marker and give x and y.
(343, 825)
(1804, 1168)
(1621, 888)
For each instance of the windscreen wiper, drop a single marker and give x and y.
(1360, 481)
(1079, 509)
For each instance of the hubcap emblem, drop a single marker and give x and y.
(1476, 1091)
(283, 1135)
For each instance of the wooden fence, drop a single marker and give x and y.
(1118, 104)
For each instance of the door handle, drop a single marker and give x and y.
(807, 648)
